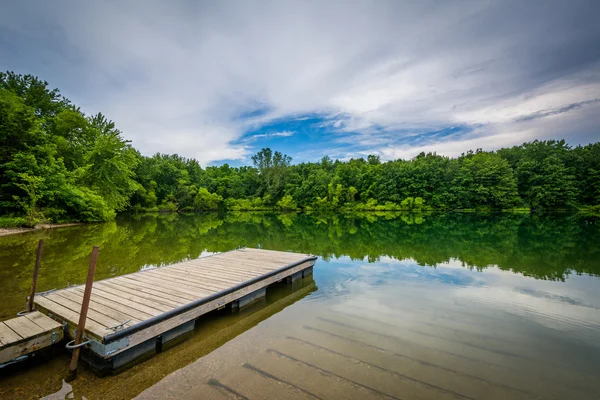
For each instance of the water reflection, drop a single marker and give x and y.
(395, 330)
(407, 306)
(550, 247)
(65, 392)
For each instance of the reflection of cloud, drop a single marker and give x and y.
(570, 306)
(65, 392)
(555, 297)
(547, 303)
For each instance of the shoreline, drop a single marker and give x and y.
(14, 231)
(591, 211)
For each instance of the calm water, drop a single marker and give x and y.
(400, 307)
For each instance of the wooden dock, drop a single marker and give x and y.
(132, 315)
(26, 334)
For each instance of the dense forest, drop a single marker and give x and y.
(58, 164)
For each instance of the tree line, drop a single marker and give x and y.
(58, 164)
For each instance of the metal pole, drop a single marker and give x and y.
(84, 310)
(36, 270)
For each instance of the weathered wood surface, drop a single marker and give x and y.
(143, 295)
(26, 334)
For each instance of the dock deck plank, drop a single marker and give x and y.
(178, 289)
(42, 321)
(7, 335)
(26, 334)
(138, 296)
(71, 317)
(111, 311)
(24, 327)
(165, 292)
(115, 304)
(208, 277)
(192, 280)
(147, 292)
(221, 272)
(176, 277)
(145, 297)
(242, 269)
(123, 302)
(64, 299)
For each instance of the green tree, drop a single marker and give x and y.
(109, 170)
(34, 92)
(545, 172)
(272, 169)
(287, 203)
(413, 203)
(206, 201)
(548, 183)
(485, 180)
(31, 186)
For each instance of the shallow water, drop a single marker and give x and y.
(400, 306)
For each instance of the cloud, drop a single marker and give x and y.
(196, 77)
(274, 134)
(556, 111)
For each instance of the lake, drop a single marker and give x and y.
(400, 306)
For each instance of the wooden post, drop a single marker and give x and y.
(36, 270)
(84, 310)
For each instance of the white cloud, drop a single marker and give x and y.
(177, 76)
(274, 134)
(504, 134)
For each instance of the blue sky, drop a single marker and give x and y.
(217, 81)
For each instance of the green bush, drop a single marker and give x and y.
(287, 203)
(238, 204)
(82, 204)
(12, 222)
(412, 203)
(167, 206)
(206, 201)
(372, 205)
(254, 204)
(56, 214)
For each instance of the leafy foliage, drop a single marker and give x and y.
(206, 201)
(56, 163)
(287, 203)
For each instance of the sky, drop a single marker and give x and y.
(219, 80)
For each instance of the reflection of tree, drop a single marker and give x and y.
(544, 247)
(287, 219)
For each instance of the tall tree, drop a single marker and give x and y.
(485, 180)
